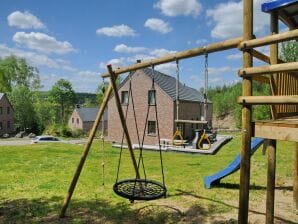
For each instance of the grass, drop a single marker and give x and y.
(34, 180)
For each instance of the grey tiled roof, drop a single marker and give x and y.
(87, 114)
(168, 84)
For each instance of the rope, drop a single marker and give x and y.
(103, 141)
(122, 140)
(206, 87)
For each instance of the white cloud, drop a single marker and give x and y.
(142, 57)
(116, 31)
(228, 18)
(158, 25)
(36, 59)
(161, 52)
(169, 68)
(179, 7)
(122, 48)
(43, 43)
(24, 20)
(116, 62)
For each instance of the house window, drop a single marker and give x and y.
(1, 110)
(151, 97)
(8, 110)
(151, 127)
(78, 120)
(1, 125)
(8, 124)
(72, 120)
(124, 97)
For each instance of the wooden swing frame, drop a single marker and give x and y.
(248, 73)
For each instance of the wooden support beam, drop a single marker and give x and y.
(285, 67)
(191, 121)
(295, 184)
(271, 168)
(246, 117)
(86, 151)
(113, 78)
(271, 39)
(219, 46)
(261, 79)
(270, 100)
(263, 57)
(285, 130)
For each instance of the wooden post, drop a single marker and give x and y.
(246, 117)
(113, 78)
(271, 151)
(85, 152)
(295, 184)
(272, 143)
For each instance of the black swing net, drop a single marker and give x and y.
(141, 188)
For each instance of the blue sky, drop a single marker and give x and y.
(74, 40)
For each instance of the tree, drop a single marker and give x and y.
(17, 72)
(289, 51)
(22, 101)
(63, 96)
(101, 88)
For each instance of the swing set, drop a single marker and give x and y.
(284, 101)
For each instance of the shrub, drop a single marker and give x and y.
(77, 133)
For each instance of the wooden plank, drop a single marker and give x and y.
(285, 132)
(263, 57)
(285, 67)
(113, 78)
(271, 170)
(255, 100)
(271, 39)
(191, 121)
(85, 152)
(295, 184)
(246, 117)
(214, 47)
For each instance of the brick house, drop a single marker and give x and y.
(190, 107)
(84, 117)
(6, 115)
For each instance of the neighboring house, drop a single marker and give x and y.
(190, 108)
(84, 117)
(6, 115)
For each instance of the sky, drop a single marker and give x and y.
(75, 40)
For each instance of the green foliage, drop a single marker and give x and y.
(58, 130)
(63, 95)
(25, 115)
(101, 88)
(289, 51)
(17, 72)
(224, 101)
(78, 133)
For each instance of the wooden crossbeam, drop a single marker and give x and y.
(270, 100)
(285, 67)
(271, 39)
(218, 46)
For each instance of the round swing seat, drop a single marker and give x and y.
(139, 189)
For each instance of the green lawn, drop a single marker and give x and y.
(34, 180)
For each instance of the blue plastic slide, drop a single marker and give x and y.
(232, 167)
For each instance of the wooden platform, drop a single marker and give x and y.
(280, 129)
